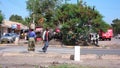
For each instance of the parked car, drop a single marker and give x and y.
(14, 36)
(8, 38)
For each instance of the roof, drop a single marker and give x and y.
(8, 24)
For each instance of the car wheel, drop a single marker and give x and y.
(109, 39)
(8, 41)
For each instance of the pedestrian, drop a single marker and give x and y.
(25, 34)
(97, 38)
(31, 39)
(46, 39)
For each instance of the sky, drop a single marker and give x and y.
(108, 8)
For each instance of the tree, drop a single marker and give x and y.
(1, 17)
(42, 9)
(81, 18)
(27, 21)
(16, 18)
(116, 26)
(70, 15)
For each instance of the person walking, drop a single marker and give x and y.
(97, 38)
(31, 39)
(46, 39)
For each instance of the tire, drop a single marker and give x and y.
(103, 39)
(109, 39)
(8, 42)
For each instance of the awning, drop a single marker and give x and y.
(9, 24)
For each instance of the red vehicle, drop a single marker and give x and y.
(106, 35)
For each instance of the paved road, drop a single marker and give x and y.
(87, 51)
(101, 51)
(98, 51)
(31, 61)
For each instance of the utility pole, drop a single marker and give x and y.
(34, 11)
(32, 26)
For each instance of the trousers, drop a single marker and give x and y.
(46, 44)
(31, 44)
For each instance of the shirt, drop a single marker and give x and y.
(46, 35)
(32, 34)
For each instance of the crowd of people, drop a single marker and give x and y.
(94, 37)
(46, 36)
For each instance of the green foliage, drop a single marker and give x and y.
(42, 9)
(1, 17)
(27, 21)
(73, 14)
(116, 26)
(57, 14)
(81, 18)
(16, 18)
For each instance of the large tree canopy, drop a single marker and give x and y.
(79, 16)
(69, 15)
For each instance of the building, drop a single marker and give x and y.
(9, 26)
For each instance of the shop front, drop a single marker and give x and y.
(11, 27)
